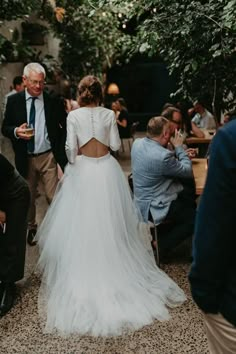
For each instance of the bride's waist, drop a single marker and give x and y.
(95, 158)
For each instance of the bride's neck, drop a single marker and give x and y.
(91, 105)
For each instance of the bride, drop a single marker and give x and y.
(98, 277)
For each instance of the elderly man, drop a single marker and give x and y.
(163, 182)
(37, 154)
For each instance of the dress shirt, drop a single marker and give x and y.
(41, 140)
(205, 120)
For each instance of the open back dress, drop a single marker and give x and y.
(98, 277)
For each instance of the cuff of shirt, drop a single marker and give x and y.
(17, 137)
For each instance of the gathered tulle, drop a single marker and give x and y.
(98, 277)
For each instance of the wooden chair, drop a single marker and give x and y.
(153, 227)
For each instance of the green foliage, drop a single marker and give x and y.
(15, 49)
(90, 38)
(196, 39)
(13, 9)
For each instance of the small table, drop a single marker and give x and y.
(195, 140)
(199, 173)
(201, 143)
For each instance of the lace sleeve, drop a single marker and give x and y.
(71, 141)
(114, 135)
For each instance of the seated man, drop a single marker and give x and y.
(14, 204)
(203, 118)
(174, 115)
(163, 183)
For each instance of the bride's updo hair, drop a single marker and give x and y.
(89, 91)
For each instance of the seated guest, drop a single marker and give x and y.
(123, 121)
(174, 115)
(14, 204)
(203, 118)
(163, 182)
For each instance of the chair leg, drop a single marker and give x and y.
(156, 249)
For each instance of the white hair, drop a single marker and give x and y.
(36, 67)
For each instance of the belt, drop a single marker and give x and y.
(39, 153)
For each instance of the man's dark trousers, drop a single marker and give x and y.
(180, 219)
(14, 200)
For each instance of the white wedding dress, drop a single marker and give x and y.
(98, 276)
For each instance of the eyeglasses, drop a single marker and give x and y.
(176, 122)
(36, 82)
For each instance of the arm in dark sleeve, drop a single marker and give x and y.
(6, 169)
(9, 123)
(213, 247)
(60, 138)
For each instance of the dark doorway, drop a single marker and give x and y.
(145, 85)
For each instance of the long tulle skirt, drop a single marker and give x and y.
(98, 276)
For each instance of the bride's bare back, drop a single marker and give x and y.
(94, 149)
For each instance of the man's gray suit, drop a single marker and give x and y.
(163, 187)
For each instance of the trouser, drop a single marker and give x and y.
(180, 219)
(221, 334)
(41, 168)
(13, 241)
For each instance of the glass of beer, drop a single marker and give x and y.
(29, 130)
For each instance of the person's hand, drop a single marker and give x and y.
(21, 133)
(178, 138)
(191, 153)
(2, 217)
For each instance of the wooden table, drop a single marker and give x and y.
(200, 173)
(195, 140)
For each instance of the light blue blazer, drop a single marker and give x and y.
(156, 177)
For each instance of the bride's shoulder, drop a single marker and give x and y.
(106, 112)
(77, 113)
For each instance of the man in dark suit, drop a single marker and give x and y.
(213, 272)
(14, 204)
(37, 154)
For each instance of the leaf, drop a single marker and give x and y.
(217, 53)
(194, 65)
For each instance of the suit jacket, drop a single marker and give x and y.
(213, 272)
(6, 173)
(55, 117)
(156, 177)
